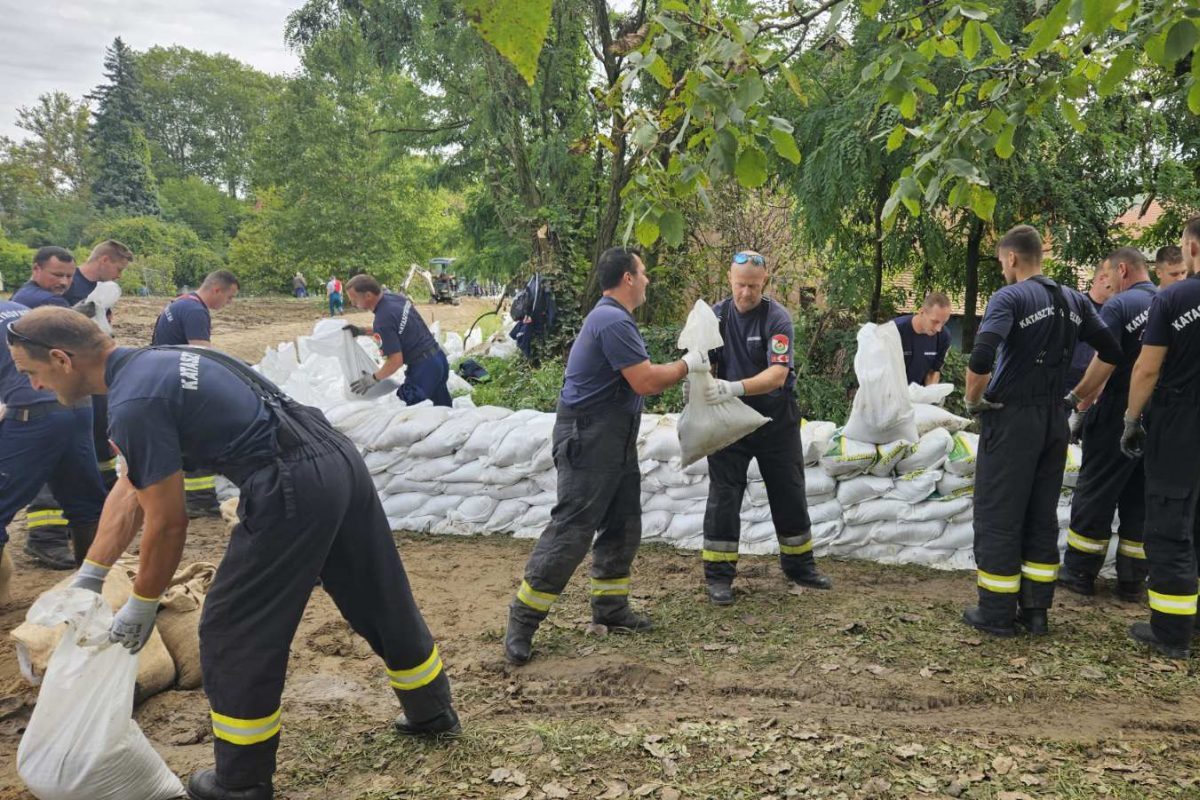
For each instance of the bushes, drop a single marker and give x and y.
(166, 254)
(16, 260)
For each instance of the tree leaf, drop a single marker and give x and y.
(725, 151)
(1071, 114)
(983, 202)
(670, 225)
(1097, 15)
(661, 72)
(871, 8)
(896, 138)
(647, 232)
(1004, 145)
(516, 28)
(1193, 97)
(999, 46)
(645, 135)
(749, 91)
(1052, 25)
(751, 169)
(970, 42)
(1180, 40)
(785, 145)
(1116, 73)
(908, 105)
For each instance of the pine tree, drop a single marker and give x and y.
(123, 180)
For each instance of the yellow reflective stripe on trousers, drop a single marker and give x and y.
(1042, 573)
(715, 555)
(245, 731)
(409, 679)
(1181, 604)
(200, 484)
(1001, 584)
(795, 545)
(604, 587)
(1086, 544)
(1130, 548)
(538, 601)
(43, 519)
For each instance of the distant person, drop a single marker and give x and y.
(1099, 293)
(925, 339)
(1169, 266)
(334, 290)
(299, 286)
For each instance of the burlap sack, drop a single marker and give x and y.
(229, 513)
(35, 643)
(6, 571)
(179, 621)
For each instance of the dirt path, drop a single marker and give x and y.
(872, 690)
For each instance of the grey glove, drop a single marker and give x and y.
(1133, 438)
(363, 384)
(719, 391)
(85, 307)
(696, 362)
(1072, 401)
(133, 624)
(90, 576)
(981, 406)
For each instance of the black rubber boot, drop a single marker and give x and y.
(807, 574)
(444, 726)
(1144, 633)
(1034, 621)
(974, 617)
(720, 593)
(518, 638)
(1076, 582)
(203, 785)
(50, 548)
(82, 536)
(624, 620)
(1131, 591)
(428, 711)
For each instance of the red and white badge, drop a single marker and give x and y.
(377, 339)
(779, 349)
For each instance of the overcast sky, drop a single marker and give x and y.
(59, 44)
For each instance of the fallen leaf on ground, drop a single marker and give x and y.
(1002, 765)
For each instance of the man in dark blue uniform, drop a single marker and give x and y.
(1098, 293)
(1033, 323)
(925, 339)
(1108, 481)
(43, 442)
(595, 453)
(188, 320)
(755, 367)
(106, 262)
(405, 340)
(308, 510)
(49, 536)
(1167, 377)
(1168, 265)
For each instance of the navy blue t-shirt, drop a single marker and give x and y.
(172, 410)
(184, 320)
(399, 328)
(79, 289)
(31, 295)
(1174, 323)
(1082, 355)
(1023, 315)
(15, 388)
(760, 338)
(923, 352)
(608, 342)
(1125, 316)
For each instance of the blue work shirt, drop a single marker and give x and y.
(760, 338)
(1023, 316)
(1125, 316)
(172, 410)
(185, 319)
(923, 352)
(399, 328)
(608, 342)
(15, 388)
(79, 289)
(31, 295)
(1082, 355)
(1174, 323)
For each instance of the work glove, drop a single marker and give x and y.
(981, 406)
(355, 330)
(1072, 401)
(1075, 424)
(696, 361)
(363, 384)
(1133, 438)
(90, 576)
(719, 391)
(85, 307)
(133, 624)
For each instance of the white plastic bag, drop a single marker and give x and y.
(81, 742)
(703, 428)
(933, 395)
(882, 411)
(104, 297)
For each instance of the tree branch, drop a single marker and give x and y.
(451, 127)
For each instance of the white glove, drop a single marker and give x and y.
(719, 391)
(696, 362)
(134, 623)
(363, 384)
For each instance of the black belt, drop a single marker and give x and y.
(27, 413)
(419, 357)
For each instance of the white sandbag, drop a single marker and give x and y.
(669, 474)
(881, 411)
(956, 536)
(483, 437)
(453, 344)
(877, 510)
(462, 401)
(433, 469)
(929, 453)
(411, 425)
(455, 431)
(888, 456)
(705, 428)
(457, 385)
(475, 510)
(521, 444)
(520, 490)
(81, 742)
(474, 339)
(506, 514)
(752, 514)
(952, 485)
(929, 417)
(654, 523)
(830, 511)
(817, 482)
(662, 442)
(910, 534)
(944, 510)
(698, 468)
(846, 457)
(401, 505)
(960, 559)
(380, 460)
(1071, 469)
(913, 487)
(683, 527)
(543, 459)
(694, 491)
(814, 439)
(961, 460)
(535, 517)
(930, 395)
(862, 488)
(657, 501)
(400, 484)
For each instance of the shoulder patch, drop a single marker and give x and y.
(779, 344)
(375, 337)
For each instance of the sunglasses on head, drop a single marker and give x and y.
(16, 337)
(753, 258)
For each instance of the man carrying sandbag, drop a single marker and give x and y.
(1033, 324)
(405, 340)
(309, 510)
(595, 453)
(755, 366)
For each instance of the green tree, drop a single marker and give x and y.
(57, 144)
(254, 255)
(211, 213)
(166, 254)
(123, 181)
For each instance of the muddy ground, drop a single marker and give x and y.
(872, 690)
